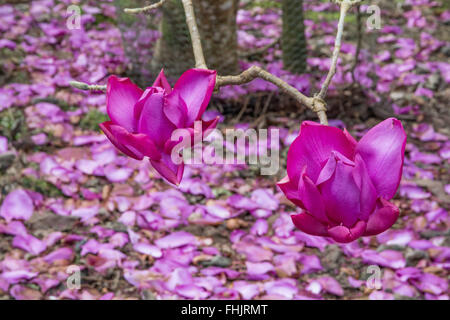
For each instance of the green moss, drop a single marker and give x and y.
(101, 18)
(329, 16)
(126, 18)
(16, 56)
(446, 5)
(218, 192)
(438, 10)
(12, 124)
(44, 187)
(266, 4)
(92, 119)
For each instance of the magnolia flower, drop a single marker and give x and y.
(142, 122)
(343, 185)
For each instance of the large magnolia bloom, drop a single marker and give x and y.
(343, 185)
(142, 122)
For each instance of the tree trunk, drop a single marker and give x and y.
(218, 30)
(136, 31)
(173, 51)
(293, 40)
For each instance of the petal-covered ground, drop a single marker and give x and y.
(71, 204)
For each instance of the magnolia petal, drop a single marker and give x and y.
(341, 195)
(121, 96)
(309, 224)
(134, 145)
(368, 193)
(111, 131)
(161, 81)
(313, 148)
(330, 167)
(17, 205)
(191, 136)
(312, 199)
(208, 126)
(290, 191)
(195, 87)
(175, 240)
(350, 138)
(139, 143)
(170, 171)
(175, 109)
(185, 140)
(206, 129)
(383, 148)
(382, 218)
(343, 234)
(327, 171)
(153, 122)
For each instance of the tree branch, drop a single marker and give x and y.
(315, 104)
(145, 9)
(87, 87)
(344, 7)
(358, 42)
(195, 35)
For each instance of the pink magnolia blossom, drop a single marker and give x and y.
(142, 122)
(343, 185)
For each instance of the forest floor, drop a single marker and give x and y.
(226, 233)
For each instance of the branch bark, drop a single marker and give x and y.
(344, 7)
(145, 9)
(358, 42)
(87, 87)
(315, 103)
(195, 35)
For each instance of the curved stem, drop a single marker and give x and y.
(315, 104)
(345, 5)
(145, 9)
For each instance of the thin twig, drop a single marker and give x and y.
(195, 35)
(358, 42)
(145, 9)
(315, 104)
(87, 87)
(243, 109)
(259, 122)
(344, 7)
